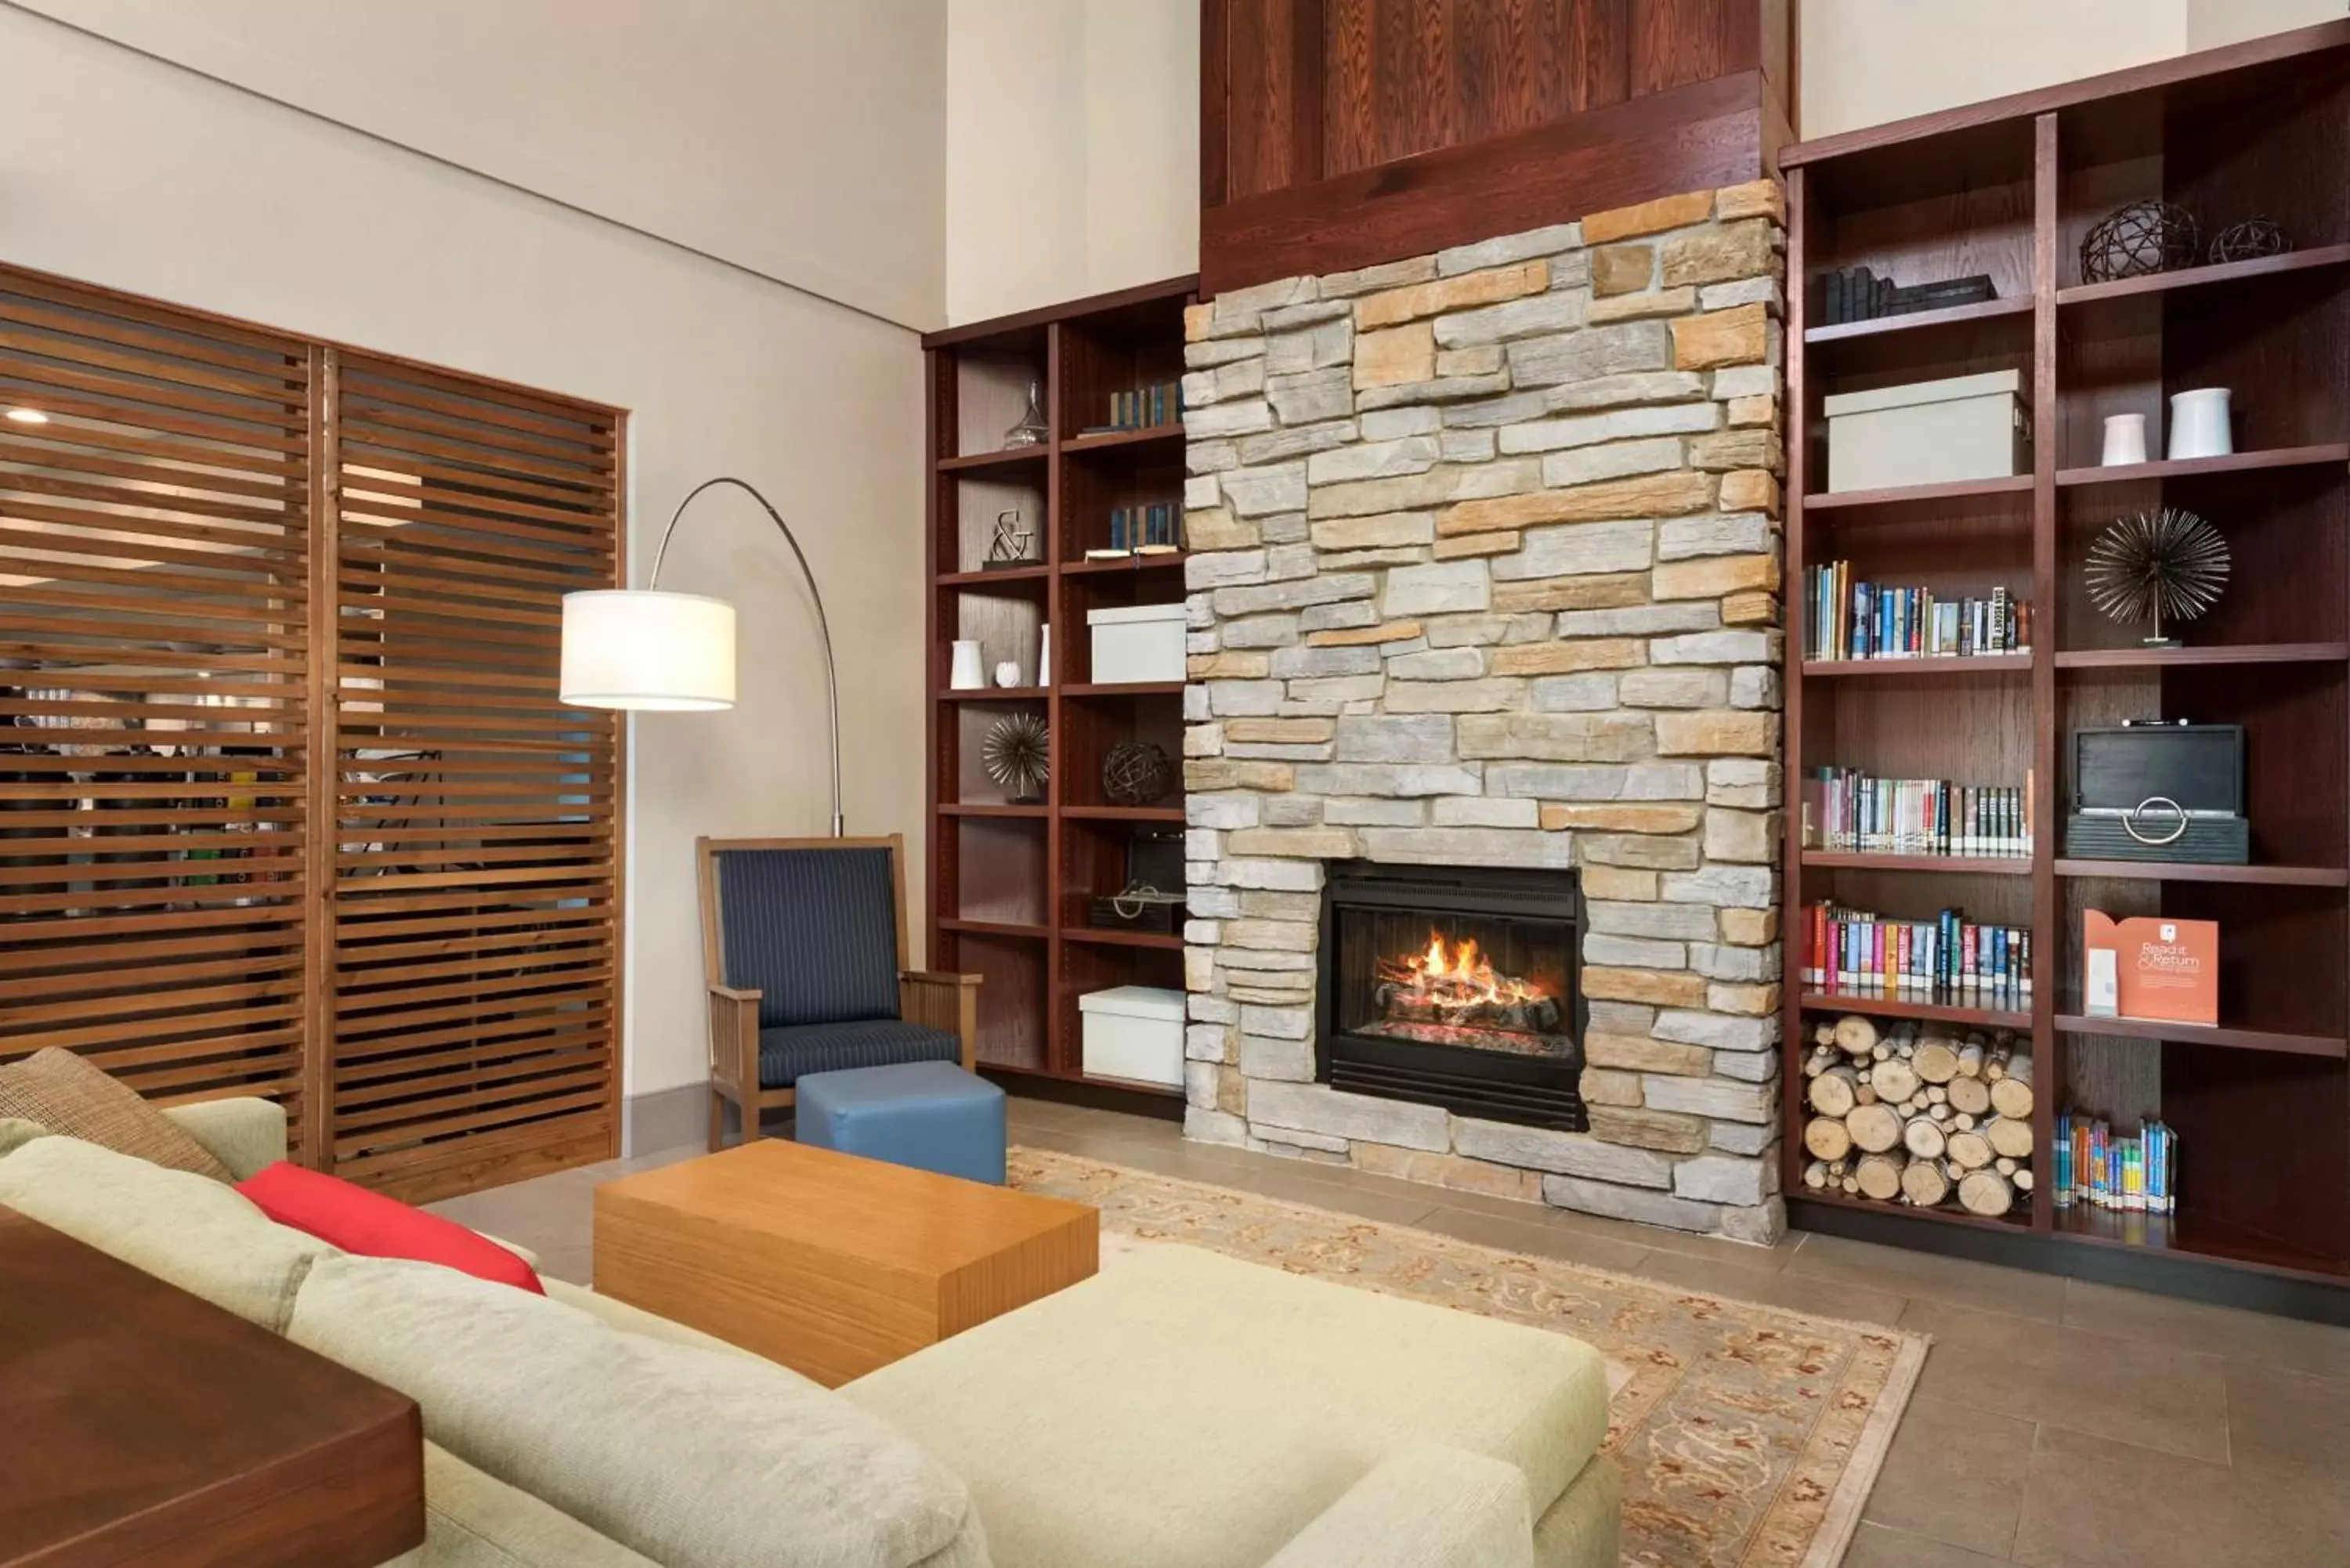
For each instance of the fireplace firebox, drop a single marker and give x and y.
(1453, 986)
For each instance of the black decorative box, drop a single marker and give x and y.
(2159, 792)
(1137, 912)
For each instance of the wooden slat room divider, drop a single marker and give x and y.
(288, 806)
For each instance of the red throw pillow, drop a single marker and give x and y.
(375, 1226)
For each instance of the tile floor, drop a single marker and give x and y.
(2058, 1424)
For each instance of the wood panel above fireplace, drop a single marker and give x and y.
(1336, 134)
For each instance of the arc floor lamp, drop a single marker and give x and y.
(650, 651)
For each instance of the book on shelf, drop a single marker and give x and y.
(1849, 619)
(1145, 408)
(2093, 1166)
(1947, 959)
(1153, 529)
(1847, 810)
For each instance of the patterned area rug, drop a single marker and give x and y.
(1747, 1435)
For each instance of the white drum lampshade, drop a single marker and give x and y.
(647, 650)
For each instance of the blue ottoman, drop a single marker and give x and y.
(931, 1116)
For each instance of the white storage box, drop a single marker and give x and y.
(1143, 643)
(1930, 432)
(1134, 1032)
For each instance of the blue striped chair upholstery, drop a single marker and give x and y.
(815, 933)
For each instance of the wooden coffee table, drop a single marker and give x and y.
(831, 1264)
(147, 1425)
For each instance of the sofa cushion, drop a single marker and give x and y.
(790, 1053)
(695, 1459)
(67, 1095)
(472, 1519)
(1423, 1507)
(1198, 1411)
(814, 932)
(349, 1216)
(197, 1234)
(16, 1132)
(243, 1133)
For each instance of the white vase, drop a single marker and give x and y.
(969, 672)
(1045, 655)
(2125, 440)
(1007, 674)
(2199, 424)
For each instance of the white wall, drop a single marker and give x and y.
(1865, 62)
(1073, 149)
(2211, 22)
(125, 172)
(802, 138)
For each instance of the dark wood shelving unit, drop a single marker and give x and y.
(2174, 871)
(2092, 294)
(1886, 668)
(1912, 495)
(1939, 864)
(1878, 1005)
(2261, 1103)
(1010, 886)
(2325, 455)
(1920, 320)
(2223, 1037)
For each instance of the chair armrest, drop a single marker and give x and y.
(941, 1000)
(1423, 1507)
(734, 1041)
(244, 1134)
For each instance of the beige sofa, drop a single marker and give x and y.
(1179, 1410)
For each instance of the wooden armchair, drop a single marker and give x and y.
(802, 940)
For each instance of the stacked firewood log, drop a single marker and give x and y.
(1919, 1114)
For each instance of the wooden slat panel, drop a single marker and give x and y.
(475, 950)
(153, 727)
(286, 806)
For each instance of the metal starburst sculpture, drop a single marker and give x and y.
(2167, 562)
(1017, 755)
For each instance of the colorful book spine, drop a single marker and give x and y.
(1945, 959)
(1852, 619)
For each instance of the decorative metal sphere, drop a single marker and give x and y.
(2250, 240)
(1136, 773)
(2158, 564)
(1017, 755)
(2143, 237)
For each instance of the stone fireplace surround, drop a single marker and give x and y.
(1485, 570)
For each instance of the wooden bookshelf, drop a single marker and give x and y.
(1010, 885)
(2261, 1103)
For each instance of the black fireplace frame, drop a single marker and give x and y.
(1496, 1086)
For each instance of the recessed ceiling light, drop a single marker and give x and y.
(29, 416)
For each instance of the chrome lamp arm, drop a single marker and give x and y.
(823, 627)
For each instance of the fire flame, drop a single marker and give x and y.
(1450, 976)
